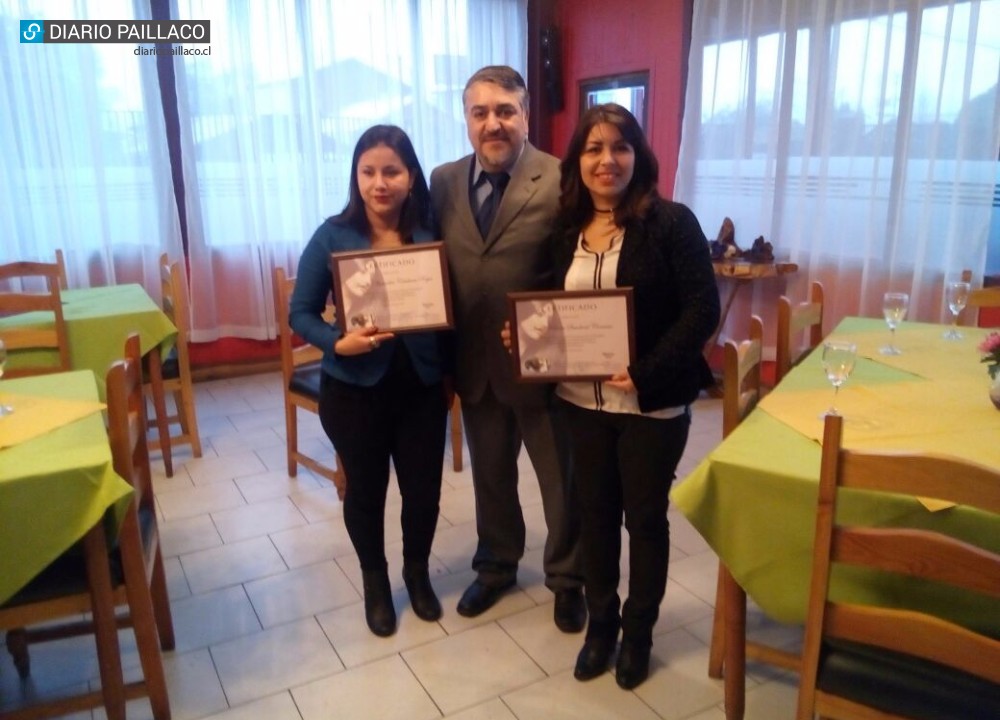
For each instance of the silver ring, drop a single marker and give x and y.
(372, 343)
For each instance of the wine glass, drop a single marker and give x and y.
(4, 409)
(956, 294)
(838, 362)
(894, 305)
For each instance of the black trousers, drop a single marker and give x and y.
(400, 419)
(625, 464)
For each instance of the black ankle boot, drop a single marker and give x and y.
(422, 598)
(633, 662)
(597, 649)
(379, 611)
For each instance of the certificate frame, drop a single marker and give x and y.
(399, 290)
(571, 335)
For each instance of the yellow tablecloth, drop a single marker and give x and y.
(753, 497)
(39, 415)
(54, 487)
(98, 320)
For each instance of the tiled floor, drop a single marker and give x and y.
(267, 605)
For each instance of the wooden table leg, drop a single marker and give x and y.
(734, 672)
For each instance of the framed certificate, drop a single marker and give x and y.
(399, 290)
(571, 335)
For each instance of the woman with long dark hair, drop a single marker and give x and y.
(628, 433)
(381, 396)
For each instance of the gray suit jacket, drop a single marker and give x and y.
(515, 256)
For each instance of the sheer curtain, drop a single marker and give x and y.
(270, 119)
(859, 138)
(85, 165)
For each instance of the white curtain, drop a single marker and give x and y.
(83, 152)
(859, 137)
(269, 122)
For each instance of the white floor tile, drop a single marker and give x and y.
(385, 689)
(300, 593)
(180, 504)
(274, 659)
(489, 664)
(491, 710)
(313, 543)
(257, 519)
(274, 707)
(213, 617)
(231, 564)
(563, 697)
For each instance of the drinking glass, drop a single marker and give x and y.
(956, 294)
(4, 409)
(894, 305)
(838, 362)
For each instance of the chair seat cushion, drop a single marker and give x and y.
(171, 366)
(905, 685)
(306, 378)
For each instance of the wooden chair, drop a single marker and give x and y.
(729, 648)
(300, 375)
(137, 579)
(56, 595)
(792, 321)
(12, 302)
(174, 371)
(984, 298)
(880, 661)
(980, 298)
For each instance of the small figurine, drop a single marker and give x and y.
(724, 247)
(761, 252)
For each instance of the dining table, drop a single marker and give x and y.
(57, 480)
(753, 497)
(98, 319)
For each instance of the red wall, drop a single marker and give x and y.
(602, 37)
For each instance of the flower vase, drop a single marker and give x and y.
(995, 392)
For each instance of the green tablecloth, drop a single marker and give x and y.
(98, 320)
(753, 497)
(55, 487)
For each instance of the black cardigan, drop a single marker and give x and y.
(665, 259)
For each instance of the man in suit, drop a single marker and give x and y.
(495, 210)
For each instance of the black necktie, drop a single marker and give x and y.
(488, 210)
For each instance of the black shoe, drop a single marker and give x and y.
(422, 598)
(379, 611)
(570, 611)
(633, 663)
(597, 649)
(478, 598)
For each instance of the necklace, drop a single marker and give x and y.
(604, 212)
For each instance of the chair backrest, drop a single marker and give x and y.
(52, 337)
(741, 376)
(792, 321)
(127, 422)
(174, 301)
(912, 551)
(983, 298)
(61, 264)
(292, 356)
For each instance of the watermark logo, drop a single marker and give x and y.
(116, 31)
(32, 31)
